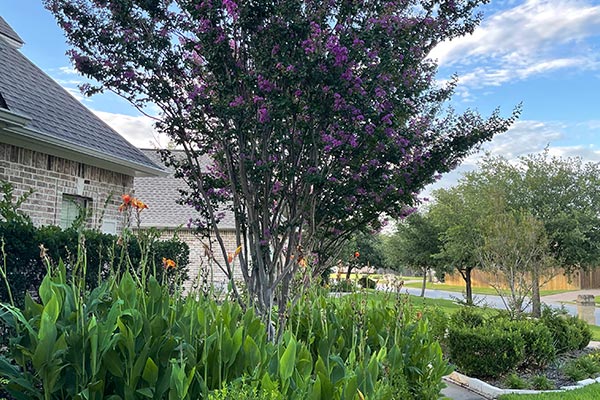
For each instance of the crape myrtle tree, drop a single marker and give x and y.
(317, 116)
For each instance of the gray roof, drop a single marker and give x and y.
(56, 116)
(7, 30)
(161, 195)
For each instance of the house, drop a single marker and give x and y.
(54, 145)
(161, 194)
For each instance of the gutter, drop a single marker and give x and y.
(15, 132)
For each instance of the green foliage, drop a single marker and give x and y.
(485, 350)
(514, 381)
(541, 382)
(104, 254)
(584, 367)
(413, 245)
(132, 338)
(343, 286)
(568, 332)
(367, 283)
(359, 344)
(535, 345)
(539, 349)
(9, 205)
(438, 322)
(467, 317)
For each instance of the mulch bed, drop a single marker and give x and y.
(552, 371)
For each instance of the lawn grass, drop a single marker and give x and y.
(590, 392)
(476, 290)
(450, 306)
(595, 332)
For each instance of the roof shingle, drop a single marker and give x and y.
(7, 30)
(27, 90)
(161, 195)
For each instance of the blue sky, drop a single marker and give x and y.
(544, 53)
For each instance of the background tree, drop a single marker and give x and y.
(364, 249)
(559, 192)
(316, 116)
(456, 213)
(515, 248)
(414, 244)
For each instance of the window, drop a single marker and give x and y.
(73, 208)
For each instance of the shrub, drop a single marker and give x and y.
(485, 350)
(104, 254)
(568, 332)
(583, 367)
(467, 317)
(541, 382)
(539, 347)
(367, 283)
(514, 381)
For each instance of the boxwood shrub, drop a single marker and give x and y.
(568, 332)
(486, 350)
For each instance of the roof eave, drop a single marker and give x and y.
(15, 132)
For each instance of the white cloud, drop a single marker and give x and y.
(138, 130)
(587, 153)
(69, 70)
(524, 137)
(532, 38)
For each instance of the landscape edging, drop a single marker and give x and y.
(492, 392)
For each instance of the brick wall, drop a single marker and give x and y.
(52, 177)
(199, 260)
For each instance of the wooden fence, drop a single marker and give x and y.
(577, 280)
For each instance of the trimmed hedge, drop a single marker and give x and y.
(569, 333)
(104, 252)
(482, 347)
(485, 350)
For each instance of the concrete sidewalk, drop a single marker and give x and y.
(455, 392)
(569, 297)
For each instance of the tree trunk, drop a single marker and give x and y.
(349, 271)
(536, 302)
(424, 282)
(466, 275)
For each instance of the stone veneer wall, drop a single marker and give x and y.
(50, 177)
(198, 258)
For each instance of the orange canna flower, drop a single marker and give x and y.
(237, 251)
(356, 254)
(233, 255)
(137, 203)
(126, 198)
(168, 263)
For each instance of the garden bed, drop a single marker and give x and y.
(494, 387)
(554, 372)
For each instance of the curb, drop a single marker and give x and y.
(492, 392)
